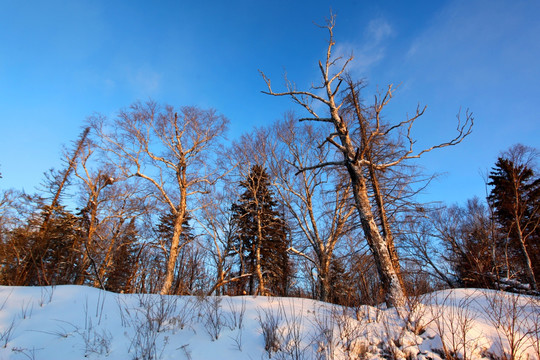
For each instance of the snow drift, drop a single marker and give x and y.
(74, 322)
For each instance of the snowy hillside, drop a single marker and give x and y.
(72, 322)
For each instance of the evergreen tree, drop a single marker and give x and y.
(262, 239)
(53, 250)
(515, 198)
(341, 281)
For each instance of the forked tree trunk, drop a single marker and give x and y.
(385, 225)
(394, 294)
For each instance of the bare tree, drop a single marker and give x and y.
(109, 204)
(423, 247)
(218, 229)
(170, 151)
(317, 201)
(63, 180)
(94, 185)
(355, 148)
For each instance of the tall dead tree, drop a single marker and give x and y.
(170, 151)
(33, 268)
(60, 183)
(355, 151)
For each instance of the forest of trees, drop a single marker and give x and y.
(155, 200)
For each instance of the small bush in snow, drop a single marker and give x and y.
(213, 321)
(270, 322)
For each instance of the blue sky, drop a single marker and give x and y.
(61, 61)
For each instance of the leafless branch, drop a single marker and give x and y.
(329, 163)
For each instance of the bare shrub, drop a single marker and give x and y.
(453, 322)
(148, 320)
(236, 317)
(26, 309)
(100, 305)
(350, 332)
(47, 293)
(123, 310)
(238, 339)
(292, 335)
(415, 314)
(270, 322)
(62, 330)
(509, 316)
(95, 341)
(159, 308)
(183, 317)
(7, 333)
(324, 336)
(393, 335)
(186, 351)
(144, 343)
(214, 321)
(401, 331)
(28, 353)
(534, 329)
(236, 321)
(5, 300)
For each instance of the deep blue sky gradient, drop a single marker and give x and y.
(61, 61)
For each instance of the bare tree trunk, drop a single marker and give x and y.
(385, 225)
(174, 251)
(324, 278)
(65, 177)
(258, 270)
(92, 209)
(395, 296)
(524, 252)
(107, 262)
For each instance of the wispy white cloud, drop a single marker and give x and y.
(478, 40)
(145, 80)
(368, 50)
(379, 30)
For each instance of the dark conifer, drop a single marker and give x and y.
(515, 198)
(262, 230)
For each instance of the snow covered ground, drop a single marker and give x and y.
(74, 322)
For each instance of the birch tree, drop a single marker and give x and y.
(169, 150)
(353, 140)
(110, 207)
